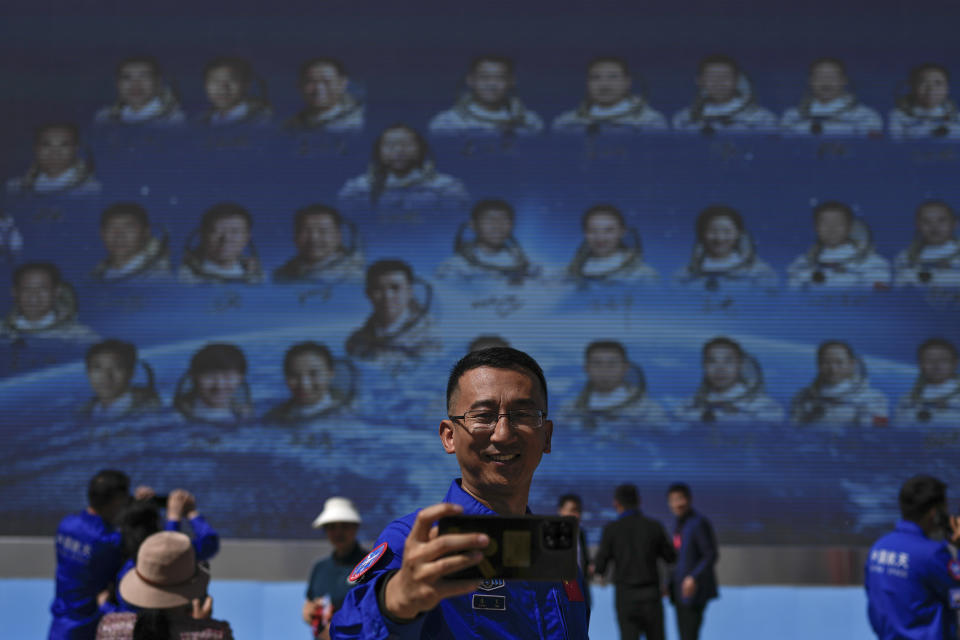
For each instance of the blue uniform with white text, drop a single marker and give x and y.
(913, 586)
(88, 557)
(514, 609)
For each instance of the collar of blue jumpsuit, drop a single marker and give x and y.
(471, 506)
(629, 512)
(906, 526)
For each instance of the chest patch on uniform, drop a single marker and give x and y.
(953, 568)
(485, 602)
(367, 563)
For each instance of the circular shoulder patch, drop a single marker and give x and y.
(367, 563)
(953, 568)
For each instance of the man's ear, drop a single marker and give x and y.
(446, 435)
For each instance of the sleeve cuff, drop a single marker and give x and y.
(382, 604)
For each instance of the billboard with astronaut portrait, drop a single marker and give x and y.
(245, 265)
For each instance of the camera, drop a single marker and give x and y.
(521, 547)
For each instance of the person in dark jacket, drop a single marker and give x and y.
(634, 543)
(693, 582)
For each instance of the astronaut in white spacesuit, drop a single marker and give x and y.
(723, 257)
(489, 105)
(143, 96)
(400, 327)
(841, 393)
(829, 108)
(485, 249)
(843, 256)
(44, 305)
(732, 388)
(322, 253)
(225, 252)
(310, 373)
(133, 252)
(610, 105)
(724, 102)
(615, 391)
(328, 106)
(927, 110)
(934, 399)
(933, 258)
(402, 176)
(214, 388)
(111, 365)
(610, 251)
(229, 84)
(57, 167)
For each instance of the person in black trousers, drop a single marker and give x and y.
(693, 582)
(634, 543)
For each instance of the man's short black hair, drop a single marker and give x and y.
(47, 267)
(223, 210)
(119, 209)
(837, 62)
(316, 209)
(934, 203)
(491, 204)
(485, 342)
(834, 205)
(627, 496)
(718, 59)
(570, 497)
(240, 68)
(919, 494)
(150, 61)
(383, 267)
(312, 62)
(306, 347)
(920, 69)
(826, 344)
(608, 345)
(70, 127)
(125, 352)
(106, 486)
(602, 209)
(680, 487)
(620, 62)
(497, 358)
(722, 341)
(218, 356)
(717, 211)
(940, 343)
(501, 60)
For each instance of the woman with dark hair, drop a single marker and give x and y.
(215, 388)
(926, 111)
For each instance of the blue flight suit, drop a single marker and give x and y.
(913, 586)
(514, 609)
(88, 557)
(696, 546)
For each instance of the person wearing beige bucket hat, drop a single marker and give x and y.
(169, 589)
(328, 585)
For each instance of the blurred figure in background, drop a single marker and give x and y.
(132, 250)
(322, 254)
(225, 252)
(143, 96)
(841, 393)
(44, 305)
(229, 84)
(724, 102)
(570, 504)
(933, 258)
(57, 167)
(934, 399)
(328, 106)
(927, 110)
(829, 107)
(692, 582)
(111, 365)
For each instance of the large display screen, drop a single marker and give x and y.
(244, 252)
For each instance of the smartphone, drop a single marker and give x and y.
(521, 547)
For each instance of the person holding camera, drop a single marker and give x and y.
(912, 575)
(498, 430)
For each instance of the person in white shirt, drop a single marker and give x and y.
(610, 251)
(492, 254)
(228, 83)
(934, 399)
(225, 253)
(328, 106)
(724, 102)
(402, 176)
(400, 324)
(732, 388)
(841, 393)
(143, 97)
(214, 388)
(615, 391)
(610, 105)
(830, 108)
(489, 105)
(133, 252)
(323, 255)
(57, 167)
(111, 365)
(933, 258)
(843, 256)
(723, 256)
(309, 371)
(927, 110)
(44, 306)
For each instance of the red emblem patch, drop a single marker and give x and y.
(953, 568)
(574, 594)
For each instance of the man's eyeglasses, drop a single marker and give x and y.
(484, 421)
